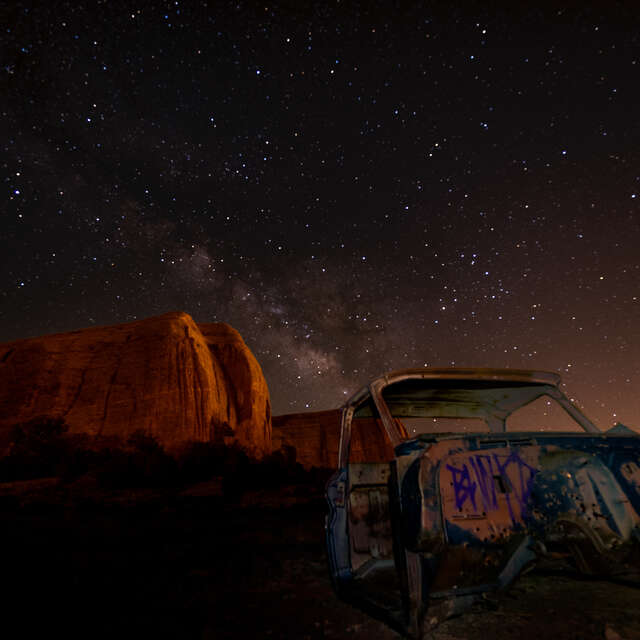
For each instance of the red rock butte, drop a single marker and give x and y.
(316, 438)
(177, 380)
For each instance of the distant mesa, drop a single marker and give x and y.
(177, 380)
(314, 435)
(316, 438)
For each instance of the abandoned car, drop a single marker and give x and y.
(452, 481)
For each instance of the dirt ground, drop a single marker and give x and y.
(165, 564)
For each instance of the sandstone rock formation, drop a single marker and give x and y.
(316, 438)
(314, 435)
(175, 379)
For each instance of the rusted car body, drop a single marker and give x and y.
(439, 515)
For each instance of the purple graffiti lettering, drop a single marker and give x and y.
(463, 486)
(483, 469)
(521, 481)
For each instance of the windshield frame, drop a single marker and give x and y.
(547, 382)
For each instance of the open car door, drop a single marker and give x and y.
(370, 566)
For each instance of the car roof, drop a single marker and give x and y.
(486, 393)
(529, 376)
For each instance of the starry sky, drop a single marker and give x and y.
(355, 187)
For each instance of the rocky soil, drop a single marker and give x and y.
(82, 562)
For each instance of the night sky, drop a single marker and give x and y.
(354, 187)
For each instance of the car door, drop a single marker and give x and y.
(367, 562)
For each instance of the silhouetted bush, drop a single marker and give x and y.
(144, 442)
(201, 461)
(141, 462)
(38, 448)
(43, 447)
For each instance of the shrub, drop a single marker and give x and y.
(142, 462)
(43, 447)
(38, 448)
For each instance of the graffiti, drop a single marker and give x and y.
(483, 470)
(463, 486)
(491, 476)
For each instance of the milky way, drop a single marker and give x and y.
(354, 187)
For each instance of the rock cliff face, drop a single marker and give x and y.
(167, 375)
(316, 438)
(314, 435)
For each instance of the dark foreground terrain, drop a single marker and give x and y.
(81, 562)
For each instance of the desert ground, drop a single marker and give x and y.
(81, 561)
